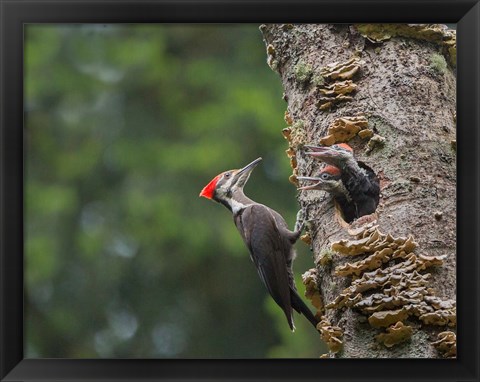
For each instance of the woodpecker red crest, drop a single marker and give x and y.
(227, 187)
(344, 146)
(209, 190)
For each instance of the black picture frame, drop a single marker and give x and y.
(16, 13)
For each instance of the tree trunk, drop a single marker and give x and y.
(389, 90)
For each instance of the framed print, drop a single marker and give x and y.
(239, 191)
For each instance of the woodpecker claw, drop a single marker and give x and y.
(300, 222)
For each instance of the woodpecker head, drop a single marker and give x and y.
(327, 180)
(227, 187)
(338, 155)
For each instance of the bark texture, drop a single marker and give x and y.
(401, 96)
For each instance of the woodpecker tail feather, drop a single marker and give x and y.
(290, 323)
(302, 308)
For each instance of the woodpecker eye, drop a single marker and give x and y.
(325, 176)
(227, 175)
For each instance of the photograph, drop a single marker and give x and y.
(240, 191)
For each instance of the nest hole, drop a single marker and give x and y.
(364, 199)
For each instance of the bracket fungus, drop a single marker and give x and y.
(330, 334)
(293, 179)
(288, 118)
(344, 129)
(375, 141)
(387, 317)
(295, 134)
(336, 91)
(326, 103)
(395, 334)
(306, 238)
(440, 317)
(271, 57)
(342, 70)
(446, 344)
(438, 34)
(365, 133)
(296, 137)
(309, 279)
(291, 154)
(342, 87)
(390, 294)
(372, 262)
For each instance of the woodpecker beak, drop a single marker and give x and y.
(325, 154)
(242, 175)
(314, 148)
(320, 151)
(310, 178)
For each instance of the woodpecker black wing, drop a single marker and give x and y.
(370, 191)
(302, 308)
(364, 189)
(290, 237)
(374, 183)
(269, 252)
(269, 241)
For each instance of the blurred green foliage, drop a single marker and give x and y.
(124, 125)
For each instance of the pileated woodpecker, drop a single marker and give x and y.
(266, 236)
(359, 179)
(330, 180)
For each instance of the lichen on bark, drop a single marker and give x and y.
(406, 96)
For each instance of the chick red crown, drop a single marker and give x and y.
(332, 170)
(344, 146)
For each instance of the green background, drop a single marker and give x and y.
(124, 125)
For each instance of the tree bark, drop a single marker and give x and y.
(401, 98)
